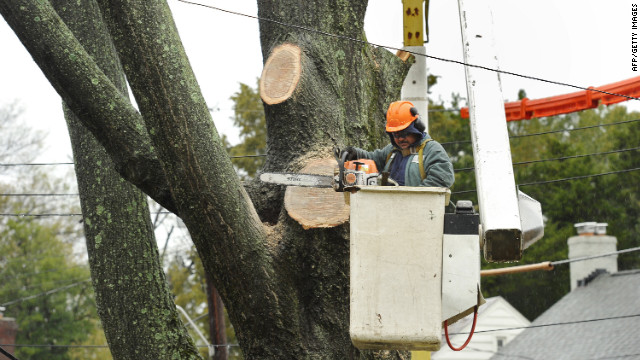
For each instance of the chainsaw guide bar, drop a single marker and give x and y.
(295, 179)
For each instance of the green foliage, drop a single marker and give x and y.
(44, 288)
(249, 118)
(601, 198)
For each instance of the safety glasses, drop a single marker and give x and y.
(401, 134)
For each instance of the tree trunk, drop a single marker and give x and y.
(286, 289)
(344, 87)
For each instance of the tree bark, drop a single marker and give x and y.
(286, 289)
(128, 278)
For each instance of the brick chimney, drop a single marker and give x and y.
(591, 240)
(8, 330)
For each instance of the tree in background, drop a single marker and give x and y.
(250, 120)
(44, 283)
(44, 289)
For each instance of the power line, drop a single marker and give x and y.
(463, 169)
(442, 143)
(562, 158)
(558, 180)
(92, 346)
(452, 193)
(549, 265)
(575, 129)
(49, 292)
(33, 286)
(37, 164)
(43, 195)
(15, 276)
(344, 37)
(548, 132)
(40, 215)
(477, 332)
(579, 177)
(562, 262)
(70, 163)
(25, 215)
(557, 324)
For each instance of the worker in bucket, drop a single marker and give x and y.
(413, 158)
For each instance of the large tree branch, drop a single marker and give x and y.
(222, 221)
(120, 237)
(90, 95)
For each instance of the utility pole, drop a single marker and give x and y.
(415, 85)
(217, 328)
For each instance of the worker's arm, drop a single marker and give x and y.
(378, 155)
(437, 166)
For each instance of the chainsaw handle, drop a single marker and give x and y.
(385, 180)
(341, 158)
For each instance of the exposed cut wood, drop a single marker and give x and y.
(281, 74)
(403, 55)
(316, 207)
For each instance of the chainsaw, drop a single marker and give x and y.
(347, 176)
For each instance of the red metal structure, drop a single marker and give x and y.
(568, 103)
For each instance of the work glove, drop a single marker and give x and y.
(351, 152)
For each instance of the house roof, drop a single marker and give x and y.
(614, 297)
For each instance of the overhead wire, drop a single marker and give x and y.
(549, 132)
(549, 265)
(364, 42)
(48, 271)
(578, 177)
(39, 285)
(557, 180)
(92, 346)
(452, 193)
(562, 158)
(48, 292)
(39, 195)
(584, 258)
(25, 215)
(622, 317)
(442, 143)
(556, 324)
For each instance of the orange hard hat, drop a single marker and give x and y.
(400, 115)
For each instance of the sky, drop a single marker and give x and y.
(578, 42)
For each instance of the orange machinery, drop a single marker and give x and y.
(568, 103)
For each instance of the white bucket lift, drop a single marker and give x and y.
(396, 263)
